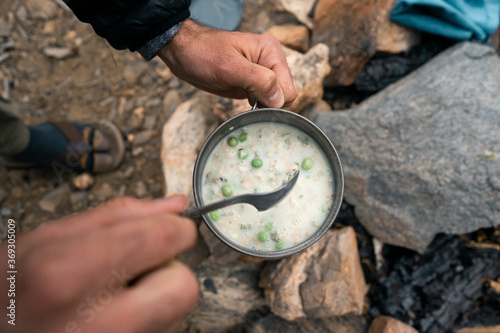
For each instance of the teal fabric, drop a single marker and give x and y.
(455, 19)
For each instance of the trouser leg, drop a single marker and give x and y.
(14, 134)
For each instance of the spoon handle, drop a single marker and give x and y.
(199, 211)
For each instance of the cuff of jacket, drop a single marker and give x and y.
(149, 50)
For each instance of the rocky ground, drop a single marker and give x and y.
(58, 69)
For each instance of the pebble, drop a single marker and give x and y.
(83, 181)
(143, 137)
(79, 200)
(5, 211)
(57, 52)
(140, 189)
(106, 191)
(129, 171)
(121, 190)
(137, 151)
(149, 122)
(52, 199)
(135, 121)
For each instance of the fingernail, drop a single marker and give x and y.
(277, 100)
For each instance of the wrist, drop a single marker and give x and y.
(187, 31)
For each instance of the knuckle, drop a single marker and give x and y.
(121, 203)
(269, 41)
(269, 82)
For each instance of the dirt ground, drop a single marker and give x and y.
(94, 81)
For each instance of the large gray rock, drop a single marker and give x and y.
(423, 156)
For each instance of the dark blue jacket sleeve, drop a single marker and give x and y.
(130, 24)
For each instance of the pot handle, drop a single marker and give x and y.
(255, 105)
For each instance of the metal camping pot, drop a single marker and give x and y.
(274, 116)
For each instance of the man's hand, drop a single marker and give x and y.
(231, 64)
(74, 275)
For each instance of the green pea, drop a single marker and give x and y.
(214, 216)
(232, 141)
(279, 245)
(307, 164)
(269, 227)
(263, 236)
(242, 154)
(257, 163)
(243, 137)
(227, 191)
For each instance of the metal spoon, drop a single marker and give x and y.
(261, 201)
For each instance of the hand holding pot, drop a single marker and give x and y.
(231, 64)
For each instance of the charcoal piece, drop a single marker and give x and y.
(381, 71)
(431, 292)
(486, 312)
(384, 69)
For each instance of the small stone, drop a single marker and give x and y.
(5, 211)
(140, 189)
(121, 190)
(83, 181)
(385, 324)
(137, 151)
(143, 137)
(49, 27)
(153, 102)
(52, 199)
(58, 52)
(135, 121)
(129, 171)
(104, 192)
(79, 200)
(41, 9)
(149, 122)
(295, 37)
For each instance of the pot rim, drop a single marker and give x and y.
(325, 144)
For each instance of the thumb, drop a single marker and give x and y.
(262, 83)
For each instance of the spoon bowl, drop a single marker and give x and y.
(261, 201)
